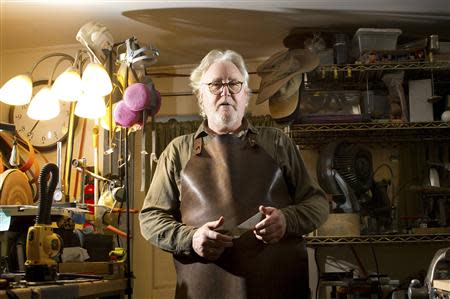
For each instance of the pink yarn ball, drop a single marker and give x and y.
(126, 117)
(137, 96)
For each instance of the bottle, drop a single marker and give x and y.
(89, 197)
(340, 48)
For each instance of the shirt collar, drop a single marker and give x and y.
(203, 129)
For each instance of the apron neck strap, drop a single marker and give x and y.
(198, 144)
(250, 136)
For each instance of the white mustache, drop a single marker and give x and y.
(226, 103)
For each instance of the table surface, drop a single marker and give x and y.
(62, 290)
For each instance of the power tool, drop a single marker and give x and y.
(42, 244)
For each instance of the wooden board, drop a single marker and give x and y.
(442, 284)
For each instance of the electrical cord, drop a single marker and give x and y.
(318, 271)
(380, 293)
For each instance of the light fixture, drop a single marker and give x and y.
(18, 90)
(67, 87)
(90, 106)
(95, 80)
(44, 105)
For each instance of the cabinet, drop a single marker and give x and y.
(400, 250)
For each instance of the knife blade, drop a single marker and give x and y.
(249, 224)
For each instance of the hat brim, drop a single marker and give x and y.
(266, 92)
(284, 103)
(285, 108)
(274, 77)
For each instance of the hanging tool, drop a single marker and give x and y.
(58, 195)
(108, 219)
(42, 244)
(69, 152)
(14, 160)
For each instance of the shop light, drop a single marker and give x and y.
(90, 106)
(44, 105)
(67, 87)
(95, 80)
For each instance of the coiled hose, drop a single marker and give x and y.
(46, 192)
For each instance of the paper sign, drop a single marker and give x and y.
(5, 222)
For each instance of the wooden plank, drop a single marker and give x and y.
(442, 284)
(82, 289)
(21, 293)
(101, 287)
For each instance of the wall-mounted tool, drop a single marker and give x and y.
(14, 160)
(58, 194)
(80, 164)
(42, 244)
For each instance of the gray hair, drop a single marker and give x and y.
(215, 56)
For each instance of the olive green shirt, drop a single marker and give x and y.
(160, 212)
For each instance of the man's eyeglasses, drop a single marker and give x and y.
(216, 87)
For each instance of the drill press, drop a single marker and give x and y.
(42, 244)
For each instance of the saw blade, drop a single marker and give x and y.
(245, 226)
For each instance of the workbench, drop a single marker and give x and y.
(91, 289)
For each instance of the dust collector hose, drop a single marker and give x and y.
(46, 192)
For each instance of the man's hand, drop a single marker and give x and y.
(273, 227)
(208, 243)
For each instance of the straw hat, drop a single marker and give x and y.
(281, 78)
(281, 67)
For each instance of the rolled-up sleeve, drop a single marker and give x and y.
(159, 216)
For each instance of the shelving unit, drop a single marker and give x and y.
(384, 66)
(383, 133)
(380, 132)
(311, 135)
(357, 76)
(377, 239)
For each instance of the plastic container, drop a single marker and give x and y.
(374, 39)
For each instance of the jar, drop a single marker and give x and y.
(340, 48)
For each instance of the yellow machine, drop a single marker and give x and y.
(42, 244)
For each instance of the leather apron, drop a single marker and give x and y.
(232, 177)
